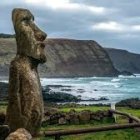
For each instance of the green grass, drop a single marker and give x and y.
(127, 134)
(3, 106)
(91, 108)
(134, 112)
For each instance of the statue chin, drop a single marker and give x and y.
(40, 59)
(43, 60)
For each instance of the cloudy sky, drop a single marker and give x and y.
(112, 23)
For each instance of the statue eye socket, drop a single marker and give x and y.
(27, 21)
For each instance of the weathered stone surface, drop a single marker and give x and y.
(49, 114)
(84, 116)
(62, 121)
(94, 116)
(19, 134)
(73, 117)
(25, 108)
(50, 111)
(4, 131)
(54, 118)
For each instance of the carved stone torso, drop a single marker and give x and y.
(27, 102)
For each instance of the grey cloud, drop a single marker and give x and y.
(64, 23)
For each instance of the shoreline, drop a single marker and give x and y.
(80, 88)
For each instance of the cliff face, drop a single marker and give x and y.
(124, 60)
(65, 58)
(7, 53)
(70, 58)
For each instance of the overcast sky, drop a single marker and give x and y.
(112, 23)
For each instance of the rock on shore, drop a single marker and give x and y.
(132, 103)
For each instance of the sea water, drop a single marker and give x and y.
(114, 89)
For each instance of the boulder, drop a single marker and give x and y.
(50, 111)
(84, 116)
(94, 116)
(20, 134)
(72, 117)
(54, 119)
(62, 121)
(106, 113)
(99, 115)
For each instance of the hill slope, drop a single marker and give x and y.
(70, 58)
(124, 60)
(66, 58)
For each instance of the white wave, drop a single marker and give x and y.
(4, 81)
(115, 80)
(137, 75)
(115, 89)
(123, 76)
(82, 78)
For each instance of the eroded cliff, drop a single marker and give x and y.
(124, 60)
(65, 58)
(70, 58)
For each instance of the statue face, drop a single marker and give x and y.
(28, 36)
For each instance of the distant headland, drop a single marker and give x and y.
(74, 58)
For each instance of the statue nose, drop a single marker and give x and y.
(40, 36)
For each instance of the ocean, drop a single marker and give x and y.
(114, 89)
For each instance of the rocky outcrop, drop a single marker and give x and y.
(51, 96)
(124, 60)
(132, 103)
(65, 58)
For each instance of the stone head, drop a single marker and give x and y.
(28, 36)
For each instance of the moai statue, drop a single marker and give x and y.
(25, 108)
